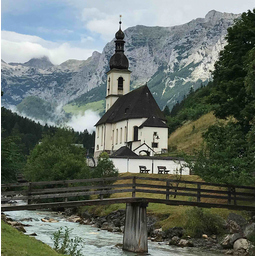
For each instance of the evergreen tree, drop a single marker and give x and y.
(233, 75)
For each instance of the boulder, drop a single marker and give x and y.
(228, 241)
(240, 220)
(174, 241)
(20, 228)
(233, 227)
(241, 247)
(171, 232)
(249, 231)
(185, 243)
(74, 218)
(86, 215)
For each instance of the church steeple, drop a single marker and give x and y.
(118, 80)
(119, 60)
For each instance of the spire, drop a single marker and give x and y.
(119, 60)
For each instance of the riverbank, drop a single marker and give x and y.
(96, 242)
(15, 243)
(111, 227)
(236, 237)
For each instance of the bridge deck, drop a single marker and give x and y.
(121, 200)
(136, 189)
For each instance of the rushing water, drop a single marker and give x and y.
(95, 242)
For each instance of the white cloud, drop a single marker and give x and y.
(87, 120)
(17, 47)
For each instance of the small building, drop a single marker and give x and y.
(133, 118)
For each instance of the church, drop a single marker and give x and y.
(132, 119)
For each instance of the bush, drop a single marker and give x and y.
(64, 244)
(201, 222)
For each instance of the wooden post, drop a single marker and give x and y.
(135, 237)
(229, 195)
(29, 192)
(234, 193)
(198, 192)
(167, 189)
(66, 199)
(133, 186)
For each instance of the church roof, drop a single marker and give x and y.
(138, 103)
(153, 122)
(124, 151)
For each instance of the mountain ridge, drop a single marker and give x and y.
(170, 59)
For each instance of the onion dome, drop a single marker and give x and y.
(119, 60)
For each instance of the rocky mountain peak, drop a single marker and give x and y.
(214, 16)
(42, 63)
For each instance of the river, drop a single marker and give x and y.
(95, 242)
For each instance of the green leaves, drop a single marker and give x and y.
(105, 167)
(234, 73)
(225, 156)
(57, 158)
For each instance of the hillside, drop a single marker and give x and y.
(188, 138)
(170, 59)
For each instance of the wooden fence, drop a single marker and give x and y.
(69, 193)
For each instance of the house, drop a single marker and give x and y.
(133, 118)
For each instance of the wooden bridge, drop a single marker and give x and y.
(137, 192)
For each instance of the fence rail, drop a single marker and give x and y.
(102, 190)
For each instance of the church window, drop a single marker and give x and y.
(113, 132)
(108, 83)
(125, 134)
(116, 136)
(120, 83)
(121, 135)
(154, 144)
(102, 136)
(135, 133)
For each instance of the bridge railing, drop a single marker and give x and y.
(169, 191)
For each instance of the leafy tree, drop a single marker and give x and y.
(105, 167)
(12, 160)
(227, 156)
(233, 76)
(57, 158)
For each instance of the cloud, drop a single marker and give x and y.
(17, 47)
(87, 120)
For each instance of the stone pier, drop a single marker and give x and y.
(135, 237)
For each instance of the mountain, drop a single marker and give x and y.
(170, 60)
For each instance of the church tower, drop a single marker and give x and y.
(118, 77)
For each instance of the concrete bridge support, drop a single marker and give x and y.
(135, 237)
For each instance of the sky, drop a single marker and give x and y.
(73, 29)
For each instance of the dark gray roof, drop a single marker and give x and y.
(119, 61)
(138, 103)
(124, 151)
(154, 122)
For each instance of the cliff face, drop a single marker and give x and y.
(169, 59)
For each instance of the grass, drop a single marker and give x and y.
(97, 106)
(169, 216)
(15, 243)
(188, 138)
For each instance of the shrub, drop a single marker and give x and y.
(64, 244)
(201, 222)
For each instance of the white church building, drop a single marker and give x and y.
(133, 128)
(132, 118)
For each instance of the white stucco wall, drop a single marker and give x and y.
(132, 165)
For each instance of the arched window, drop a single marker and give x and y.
(135, 133)
(120, 83)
